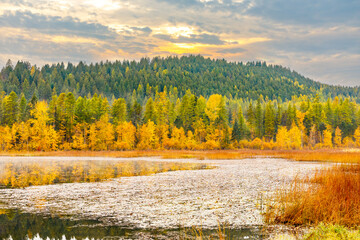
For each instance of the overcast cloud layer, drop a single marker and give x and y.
(320, 39)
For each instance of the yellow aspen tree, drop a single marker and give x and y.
(162, 131)
(200, 130)
(178, 137)
(92, 139)
(190, 141)
(105, 133)
(213, 107)
(43, 137)
(25, 135)
(51, 138)
(78, 138)
(300, 120)
(357, 136)
(348, 142)
(282, 138)
(7, 138)
(295, 137)
(312, 136)
(327, 141)
(337, 138)
(212, 138)
(147, 135)
(126, 132)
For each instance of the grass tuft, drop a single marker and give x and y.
(329, 231)
(332, 195)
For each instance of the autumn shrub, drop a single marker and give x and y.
(348, 142)
(256, 144)
(212, 145)
(120, 145)
(268, 145)
(243, 144)
(332, 195)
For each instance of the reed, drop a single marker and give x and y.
(331, 195)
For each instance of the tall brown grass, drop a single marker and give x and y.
(331, 195)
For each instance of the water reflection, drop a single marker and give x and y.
(20, 174)
(18, 226)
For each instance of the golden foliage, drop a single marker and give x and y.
(126, 132)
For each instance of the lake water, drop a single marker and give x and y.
(17, 225)
(149, 207)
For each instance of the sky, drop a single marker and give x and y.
(319, 39)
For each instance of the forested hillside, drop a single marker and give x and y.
(202, 76)
(172, 103)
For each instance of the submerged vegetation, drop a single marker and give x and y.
(24, 174)
(332, 195)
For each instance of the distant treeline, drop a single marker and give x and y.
(146, 77)
(166, 121)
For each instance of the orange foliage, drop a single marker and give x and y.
(332, 197)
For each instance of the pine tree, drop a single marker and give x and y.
(258, 119)
(23, 113)
(236, 133)
(244, 131)
(69, 115)
(118, 111)
(135, 113)
(222, 117)
(11, 109)
(251, 115)
(269, 121)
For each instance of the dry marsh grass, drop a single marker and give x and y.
(332, 195)
(326, 155)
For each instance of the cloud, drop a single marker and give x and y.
(308, 12)
(142, 29)
(55, 25)
(183, 3)
(231, 50)
(339, 40)
(192, 38)
(45, 50)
